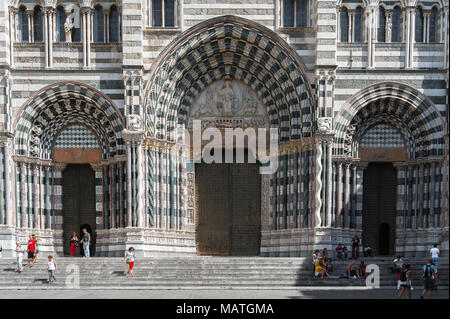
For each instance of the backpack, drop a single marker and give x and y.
(403, 276)
(428, 272)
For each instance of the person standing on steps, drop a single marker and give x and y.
(355, 247)
(52, 266)
(19, 254)
(31, 251)
(434, 253)
(86, 240)
(429, 278)
(36, 254)
(405, 281)
(73, 244)
(130, 257)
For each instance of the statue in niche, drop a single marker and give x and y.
(68, 26)
(225, 98)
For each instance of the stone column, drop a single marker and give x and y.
(444, 27)
(323, 174)
(140, 186)
(371, 36)
(134, 138)
(359, 194)
(420, 202)
(48, 203)
(352, 223)
(426, 27)
(351, 30)
(401, 222)
(347, 203)
(48, 31)
(83, 36)
(329, 185)
(431, 213)
(86, 36)
(30, 26)
(8, 178)
(339, 195)
(36, 196)
(24, 194)
(112, 192)
(12, 34)
(410, 29)
(7, 227)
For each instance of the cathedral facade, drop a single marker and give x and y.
(93, 94)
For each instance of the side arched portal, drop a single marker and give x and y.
(68, 124)
(383, 125)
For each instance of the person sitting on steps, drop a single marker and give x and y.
(321, 269)
(398, 264)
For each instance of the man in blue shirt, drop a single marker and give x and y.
(86, 243)
(429, 278)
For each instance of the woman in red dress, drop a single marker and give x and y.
(73, 244)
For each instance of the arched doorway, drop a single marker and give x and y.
(228, 209)
(379, 199)
(78, 202)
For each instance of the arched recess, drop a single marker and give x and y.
(398, 104)
(416, 192)
(235, 48)
(59, 105)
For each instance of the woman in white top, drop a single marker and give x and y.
(130, 257)
(51, 269)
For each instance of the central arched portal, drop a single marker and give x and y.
(228, 209)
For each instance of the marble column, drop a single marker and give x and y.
(347, 204)
(318, 186)
(371, 36)
(48, 194)
(24, 194)
(339, 219)
(36, 196)
(329, 186)
(8, 190)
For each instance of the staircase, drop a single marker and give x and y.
(196, 273)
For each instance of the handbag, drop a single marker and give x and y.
(128, 261)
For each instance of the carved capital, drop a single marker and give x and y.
(135, 137)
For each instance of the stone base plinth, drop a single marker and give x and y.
(49, 241)
(7, 241)
(146, 242)
(418, 242)
(302, 242)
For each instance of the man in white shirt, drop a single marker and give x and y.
(434, 252)
(19, 254)
(398, 264)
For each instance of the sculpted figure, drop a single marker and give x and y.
(225, 98)
(134, 122)
(324, 124)
(68, 26)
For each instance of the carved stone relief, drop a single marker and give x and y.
(228, 103)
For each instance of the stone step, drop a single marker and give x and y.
(196, 272)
